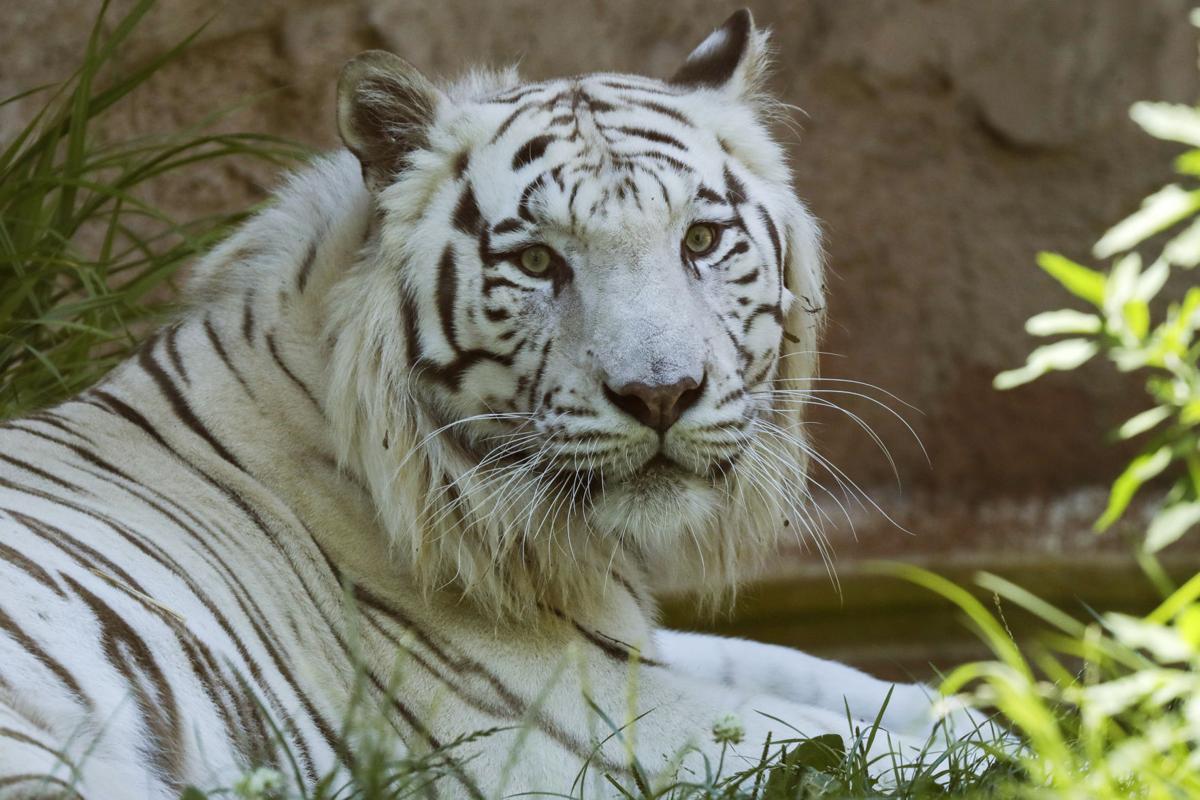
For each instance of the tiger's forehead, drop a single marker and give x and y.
(591, 148)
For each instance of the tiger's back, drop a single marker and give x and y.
(151, 609)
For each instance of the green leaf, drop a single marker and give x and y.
(1188, 625)
(82, 251)
(1140, 423)
(1173, 122)
(1136, 315)
(787, 781)
(1158, 212)
(192, 793)
(1140, 470)
(1188, 163)
(1060, 356)
(1171, 523)
(1087, 284)
(1190, 415)
(1053, 323)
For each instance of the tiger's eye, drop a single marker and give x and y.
(700, 238)
(536, 260)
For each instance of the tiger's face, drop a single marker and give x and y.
(596, 277)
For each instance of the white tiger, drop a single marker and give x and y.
(447, 412)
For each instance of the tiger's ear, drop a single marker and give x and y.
(385, 107)
(734, 57)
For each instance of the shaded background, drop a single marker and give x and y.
(942, 143)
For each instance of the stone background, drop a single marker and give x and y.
(943, 143)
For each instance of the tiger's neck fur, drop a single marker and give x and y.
(296, 394)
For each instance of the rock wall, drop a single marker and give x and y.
(943, 143)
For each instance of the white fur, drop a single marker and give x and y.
(313, 459)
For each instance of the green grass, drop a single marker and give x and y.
(799, 768)
(85, 261)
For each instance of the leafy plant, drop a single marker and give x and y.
(1125, 724)
(83, 258)
(1130, 327)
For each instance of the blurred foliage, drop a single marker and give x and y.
(1136, 328)
(1110, 707)
(83, 257)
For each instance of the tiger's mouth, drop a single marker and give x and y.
(659, 472)
(643, 467)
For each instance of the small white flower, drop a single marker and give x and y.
(728, 730)
(254, 785)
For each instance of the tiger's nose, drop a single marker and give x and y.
(656, 406)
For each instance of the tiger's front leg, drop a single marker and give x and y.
(747, 666)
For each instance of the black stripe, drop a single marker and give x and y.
(507, 225)
(173, 353)
(653, 136)
(46, 476)
(461, 664)
(613, 648)
(18, 736)
(639, 87)
(125, 650)
(515, 94)
(266, 638)
(47, 780)
(527, 196)
(30, 568)
(492, 282)
(310, 258)
(447, 291)
(9, 626)
(180, 406)
(461, 163)
(659, 108)
(301, 385)
(748, 278)
(412, 335)
(541, 369)
(735, 191)
(496, 314)
(532, 150)
(248, 317)
(64, 424)
(511, 118)
(237, 589)
(762, 373)
(84, 555)
(654, 155)
(451, 375)
(767, 309)
(235, 585)
(662, 187)
(219, 348)
(466, 214)
(773, 232)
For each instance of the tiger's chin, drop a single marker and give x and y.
(656, 505)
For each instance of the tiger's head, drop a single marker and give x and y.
(579, 311)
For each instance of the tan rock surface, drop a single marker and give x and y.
(942, 143)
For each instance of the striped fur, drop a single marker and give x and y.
(374, 459)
